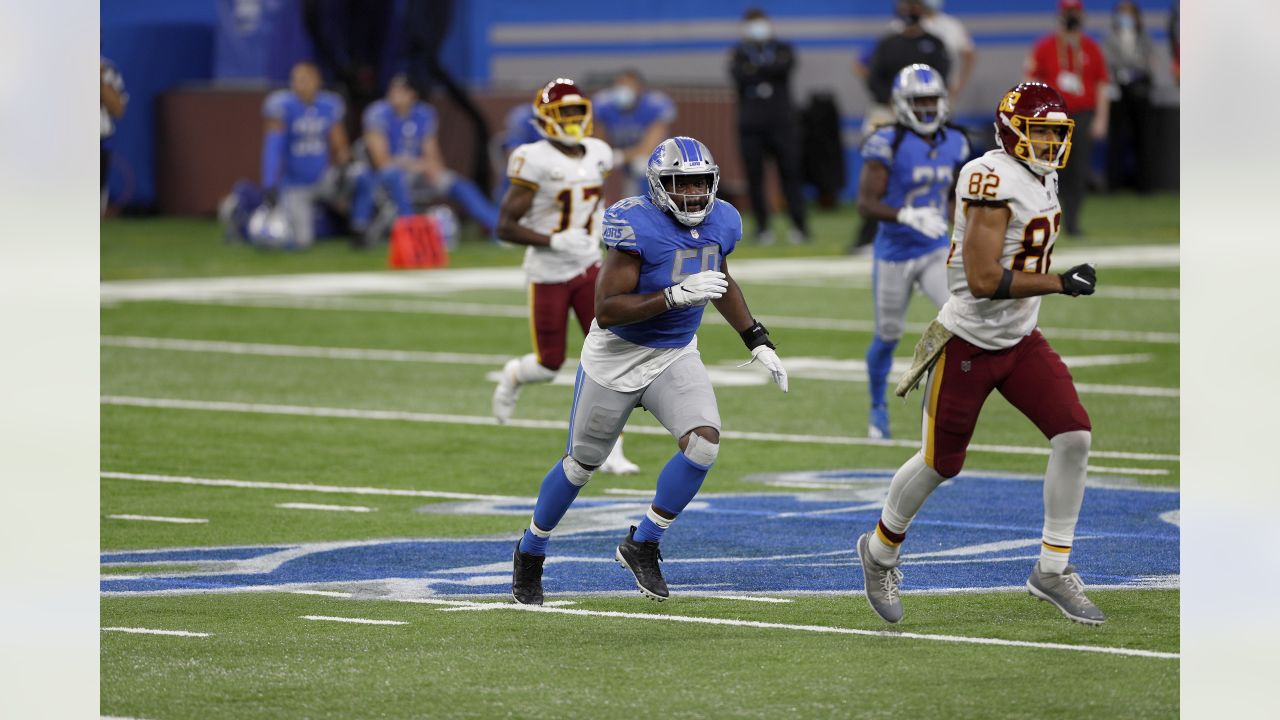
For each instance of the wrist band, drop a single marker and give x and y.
(757, 335)
(1006, 282)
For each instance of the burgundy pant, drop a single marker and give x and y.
(549, 313)
(1030, 375)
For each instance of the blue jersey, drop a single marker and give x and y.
(519, 128)
(405, 135)
(669, 252)
(920, 174)
(306, 132)
(626, 126)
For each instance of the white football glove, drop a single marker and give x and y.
(768, 357)
(575, 241)
(697, 289)
(928, 220)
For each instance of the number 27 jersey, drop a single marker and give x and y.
(998, 179)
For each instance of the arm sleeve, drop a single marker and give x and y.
(273, 149)
(521, 171)
(618, 232)
(878, 146)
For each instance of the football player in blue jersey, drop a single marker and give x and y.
(667, 257)
(908, 175)
(304, 147)
(632, 118)
(400, 140)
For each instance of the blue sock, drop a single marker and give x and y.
(554, 499)
(474, 203)
(362, 201)
(397, 187)
(879, 362)
(677, 484)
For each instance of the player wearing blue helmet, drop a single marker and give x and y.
(908, 173)
(666, 259)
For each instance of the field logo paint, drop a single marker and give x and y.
(976, 532)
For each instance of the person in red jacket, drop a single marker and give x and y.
(1073, 64)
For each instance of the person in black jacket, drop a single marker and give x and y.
(761, 67)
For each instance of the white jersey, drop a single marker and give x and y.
(624, 366)
(568, 193)
(998, 178)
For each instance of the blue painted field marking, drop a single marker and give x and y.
(737, 543)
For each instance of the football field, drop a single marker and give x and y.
(308, 511)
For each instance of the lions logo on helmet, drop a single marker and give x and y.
(684, 158)
(919, 98)
(562, 113)
(1028, 105)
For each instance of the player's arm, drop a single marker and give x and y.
(873, 183)
(617, 302)
(375, 143)
(658, 131)
(733, 307)
(515, 204)
(432, 159)
(274, 148)
(339, 145)
(987, 278)
(112, 99)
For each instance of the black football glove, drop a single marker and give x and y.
(1079, 280)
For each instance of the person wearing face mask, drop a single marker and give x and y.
(1129, 56)
(632, 118)
(761, 67)
(1073, 64)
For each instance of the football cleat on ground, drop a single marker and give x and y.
(641, 558)
(880, 583)
(878, 423)
(507, 392)
(1066, 592)
(618, 464)
(526, 577)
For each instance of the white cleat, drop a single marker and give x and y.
(507, 392)
(617, 463)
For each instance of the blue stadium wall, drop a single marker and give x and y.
(497, 44)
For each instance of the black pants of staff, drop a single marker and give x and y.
(1073, 180)
(1129, 146)
(782, 142)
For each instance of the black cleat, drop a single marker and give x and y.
(641, 558)
(526, 577)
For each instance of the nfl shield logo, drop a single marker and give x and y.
(965, 366)
(694, 233)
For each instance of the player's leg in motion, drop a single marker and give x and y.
(548, 323)
(682, 400)
(595, 421)
(1040, 386)
(956, 389)
(891, 291)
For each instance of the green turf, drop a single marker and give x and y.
(263, 661)
(176, 247)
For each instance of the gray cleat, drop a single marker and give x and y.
(1066, 592)
(881, 583)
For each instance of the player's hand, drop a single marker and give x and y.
(768, 357)
(697, 289)
(927, 220)
(1079, 280)
(574, 241)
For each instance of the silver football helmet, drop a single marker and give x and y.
(682, 157)
(915, 82)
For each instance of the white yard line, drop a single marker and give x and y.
(1126, 470)
(356, 621)
(832, 369)
(152, 631)
(821, 629)
(161, 519)
(303, 487)
(429, 307)
(329, 508)
(502, 606)
(321, 593)
(406, 416)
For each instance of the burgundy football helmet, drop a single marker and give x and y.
(1035, 105)
(561, 112)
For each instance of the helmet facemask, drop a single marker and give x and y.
(922, 113)
(566, 121)
(683, 199)
(1042, 156)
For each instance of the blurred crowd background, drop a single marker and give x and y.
(783, 93)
